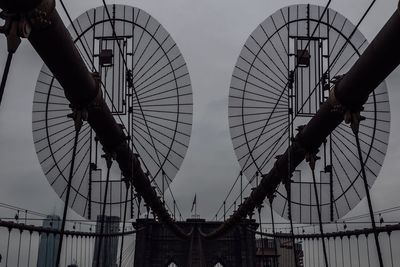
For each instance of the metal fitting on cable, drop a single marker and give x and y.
(350, 116)
(337, 106)
(15, 28)
(39, 16)
(36, 12)
(354, 118)
(79, 116)
(109, 157)
(312, 158)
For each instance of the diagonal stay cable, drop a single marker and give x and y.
(333, 62)
(283, 91)
(250, 154)
(134, 89)
(94, 68)
(344, 46)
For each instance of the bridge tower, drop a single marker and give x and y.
(156, 245)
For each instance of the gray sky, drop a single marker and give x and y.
(210, 35)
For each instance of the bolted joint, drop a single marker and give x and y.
(39, 17)
(36, 12)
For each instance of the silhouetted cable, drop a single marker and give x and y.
(5, 75)
(369, 201)
(123, 223)
(288, 186)
(78, 126)
(276, 260)
(109, 161)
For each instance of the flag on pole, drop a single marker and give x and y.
(194, 203)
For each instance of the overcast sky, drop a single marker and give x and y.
(210, 35)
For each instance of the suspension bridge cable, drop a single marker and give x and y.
(366, 186)
(390, 247)
(229, 193)
(332, 63)
(8, 246)
(250, 154)
(107, 94)
(276, 261)
(321, 228)
(288, 186)
(238, 197)
(134, 89)
(346, 43)
(358, 252)
(261, 238)
(5, 74)
(123, 224)
(78, 126)
(109, 162)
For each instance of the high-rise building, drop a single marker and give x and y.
(106, 254)
(48, 244)
(283, 255)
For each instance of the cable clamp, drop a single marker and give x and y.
(15, 27)
(312, 158)
(350, 116)
(79, 116)
(354, 118)
(39, 16)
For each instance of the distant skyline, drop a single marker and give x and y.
(210, 36)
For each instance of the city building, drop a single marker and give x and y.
(48, 244)
(268, 256)
(106, 248)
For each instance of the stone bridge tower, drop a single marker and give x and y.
(156, 245)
